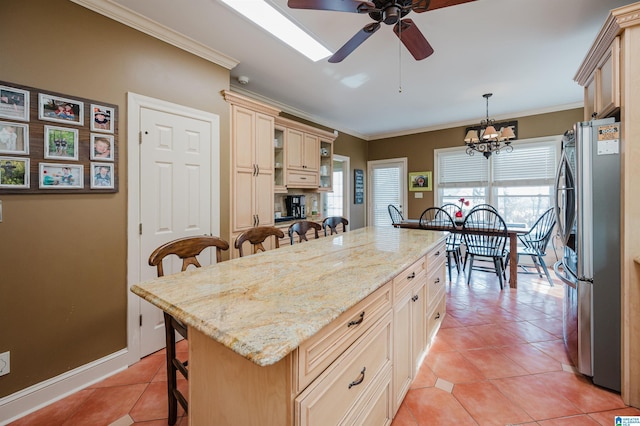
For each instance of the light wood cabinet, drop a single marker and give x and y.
(252, 164)
(303, 154)
(602, 87)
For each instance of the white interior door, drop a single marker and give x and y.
(387, 183)
(177, 195)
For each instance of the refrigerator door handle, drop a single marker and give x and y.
(563, 276)
(565, 198)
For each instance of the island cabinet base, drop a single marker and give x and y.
(354, 371)
(227, 389)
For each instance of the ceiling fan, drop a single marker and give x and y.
(391, 12)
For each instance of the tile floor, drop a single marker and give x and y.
(497, 360)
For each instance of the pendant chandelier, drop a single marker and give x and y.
(486, 139)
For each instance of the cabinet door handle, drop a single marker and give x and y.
(411, 276)
(358, 321)
(437, 315)
(257, 220)
(359, 380)
(415, 297)
(437, 253)
(437, 280)
(257, 169)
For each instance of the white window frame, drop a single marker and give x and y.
(491, 187)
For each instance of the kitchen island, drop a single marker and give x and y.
(273, 335)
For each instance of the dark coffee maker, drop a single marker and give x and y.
(296, 206)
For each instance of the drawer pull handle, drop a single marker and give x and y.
(437, 253)
(415, 297)
(411, 276)
(359, 379)
(437, 315)
(358, 321)
(437, 280)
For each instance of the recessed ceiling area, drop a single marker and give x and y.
(525, 52)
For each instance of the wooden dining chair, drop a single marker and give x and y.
(395, 214)
(437, 216)
(186, 249)
(485, 236)
(332, 224)
(256, 236)
(301, 229)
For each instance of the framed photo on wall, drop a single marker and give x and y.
(101, 147)
(60, 143)
(420, 181)
(14, 172)
(62, 110)
(101, 175)
(14, 138)
(14, 103)
(102, 118)
(61, 176)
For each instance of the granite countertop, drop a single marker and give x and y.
(265, 305)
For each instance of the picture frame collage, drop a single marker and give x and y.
(52, 143)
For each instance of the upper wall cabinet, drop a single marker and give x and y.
(306, 148)
(601, 81)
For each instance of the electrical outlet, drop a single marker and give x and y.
(5, 364)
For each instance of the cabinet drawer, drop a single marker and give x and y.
(317, 353)
(436, 281)
(375, 408)
(438, 254)
(436, 316)
(403, 282)
(341, 390)
(296, 179)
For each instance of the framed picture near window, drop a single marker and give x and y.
(60, 143)
(14, 103)
(101, 147)
(420, 181)
(62, 110)
(61, 176)
(101, 175)
(14, 172)
(102, 118)
(14, 138)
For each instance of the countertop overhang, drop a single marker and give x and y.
(264, 306)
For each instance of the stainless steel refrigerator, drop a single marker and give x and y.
(587, 210)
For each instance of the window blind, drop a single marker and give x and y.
(385, 181)
(457, 169)
(528, 164)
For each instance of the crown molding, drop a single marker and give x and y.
(145, 25)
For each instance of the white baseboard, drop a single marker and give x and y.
(28, 400)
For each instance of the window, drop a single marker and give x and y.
(519, 184)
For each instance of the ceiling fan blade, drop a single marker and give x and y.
(420, 6)
(354, 6)
(412, 38)
(354, 42)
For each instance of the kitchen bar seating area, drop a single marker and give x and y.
(497, 359)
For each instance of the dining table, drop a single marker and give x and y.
(513, 230)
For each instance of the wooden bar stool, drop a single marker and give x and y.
(301, 229)
(332, 223)
(186, 249)
(256, 236)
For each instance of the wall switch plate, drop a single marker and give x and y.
(5, 364)
(0, 210)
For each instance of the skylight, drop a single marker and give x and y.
(263, 14)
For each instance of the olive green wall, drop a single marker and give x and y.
(63, 258)
(418, 148)
(356, 150)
